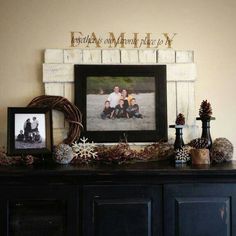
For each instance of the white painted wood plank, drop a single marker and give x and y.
(147, 56)
(129, 56)
(58, 73)
(56, 89)
(92, 56)
(184, 56)
(58, 120)
(111, 56)
(53, 56)
(171, 109)
(69, 91)
(59, 135)
(181, 72)
(165, 56)
(186, 106)
(74, 56)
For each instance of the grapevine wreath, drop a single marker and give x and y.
(71, 112)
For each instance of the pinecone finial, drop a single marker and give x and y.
(180, 119)
(205, 110)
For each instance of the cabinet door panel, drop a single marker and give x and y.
(3, 217)
(199, 209)
(39, 210)
(38, 217)
(122, 210)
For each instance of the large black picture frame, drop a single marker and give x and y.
(158, 72)
(25, 147)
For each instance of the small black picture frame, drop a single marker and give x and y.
(146, 83)
(29, 131)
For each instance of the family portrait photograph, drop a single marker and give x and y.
(120, 103)
(30, 131)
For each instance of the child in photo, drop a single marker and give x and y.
(133, 109)
(120, 111)
(37, 137)
(107, 111)
(20, 136)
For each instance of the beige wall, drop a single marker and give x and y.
(27, 27)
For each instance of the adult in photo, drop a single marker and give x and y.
(27, 129)
(34, 125)
(114, 97)
(126, 97)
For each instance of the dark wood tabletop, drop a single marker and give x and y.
(151, 168)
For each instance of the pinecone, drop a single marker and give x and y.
(199, 143)
(180, 119)
(28, 160)
(205, 110)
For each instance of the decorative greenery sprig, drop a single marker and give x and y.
(123, 153)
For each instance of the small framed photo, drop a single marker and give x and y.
(122, 101)
(29, 131)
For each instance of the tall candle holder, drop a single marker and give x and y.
(206, 129)
(179, 142)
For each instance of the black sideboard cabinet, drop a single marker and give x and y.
(141, 199)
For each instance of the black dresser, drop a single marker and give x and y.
(141, 199)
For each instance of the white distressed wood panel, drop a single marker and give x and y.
(56, 89)
(186, 106)
(74, 56)
(147, 56)
(58, 73)
(59, 79)
(165, 56)
(171, 108)
(53, 56)
(111, 56)
(129, 56)
(58, 120)
(59, 135)
(184, 56)
(69, 91)
(181, 72)
(92, 56)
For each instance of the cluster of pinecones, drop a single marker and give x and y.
(205, 110)
(199, 143)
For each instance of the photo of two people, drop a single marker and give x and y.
(120, 103)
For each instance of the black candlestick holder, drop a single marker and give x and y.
(179, 142)
(206, 129)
